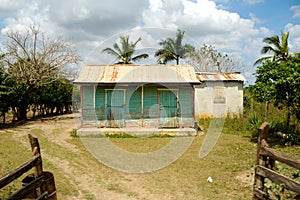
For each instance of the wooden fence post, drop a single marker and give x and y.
(259, 181)
(40, 185)
(35, 148)
(265, 164)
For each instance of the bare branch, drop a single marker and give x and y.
(35, 58)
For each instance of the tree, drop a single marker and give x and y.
(173, 49)
(279, 82)
(208, 59)
(280, 49)
(124, 53)
(33, 60)
(6, 83)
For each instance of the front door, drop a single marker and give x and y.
(115, 103)
(168, 108)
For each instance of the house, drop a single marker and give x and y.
(219, 94)
(140, 96)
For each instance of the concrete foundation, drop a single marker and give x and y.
(137, 131)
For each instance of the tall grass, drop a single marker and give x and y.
(254, 114)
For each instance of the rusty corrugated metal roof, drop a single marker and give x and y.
(137, 74)
(229, 76)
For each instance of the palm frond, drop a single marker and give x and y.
(274, 40)
(260, 60)
(135, 43)
(179, 38)
(267, 49)
(164, 56)
(125, 44)
(117, 48)
(111, 52)
(172, 48)
(141, 56)
(279, 48)
(284, 44)
(125, 50)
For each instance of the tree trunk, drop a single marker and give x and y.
(267, 109)
(288, 118)
(22, 113)
(3, 115)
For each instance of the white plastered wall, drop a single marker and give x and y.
(218, 98)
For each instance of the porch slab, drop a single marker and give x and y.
(137, 131)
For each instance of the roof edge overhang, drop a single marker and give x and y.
(135, 83)
(222, 81)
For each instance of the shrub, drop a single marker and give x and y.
(73, 133)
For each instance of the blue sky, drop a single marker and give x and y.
(274, 14)
(236, 27)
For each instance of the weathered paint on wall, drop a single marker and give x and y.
(87, 104)
(218, 98)
(142, 105)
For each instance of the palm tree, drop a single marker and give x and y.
(279, 48)
(124, 53)
(173, 49)
(280, 52)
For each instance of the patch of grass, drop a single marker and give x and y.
(64, 186)
(89, 196)
(125, 135)
(115, 187)
(12, 155)
(73, 133)
(161, 136)
(141, 145)
(36, 131)
(119, 135)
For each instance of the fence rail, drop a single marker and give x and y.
(40, 185)
(265, 162)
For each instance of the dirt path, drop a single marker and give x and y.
(83, 176)
(80, 176)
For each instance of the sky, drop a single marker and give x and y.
(235, 27)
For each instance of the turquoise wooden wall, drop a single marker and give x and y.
(87, 101)
(94, 108)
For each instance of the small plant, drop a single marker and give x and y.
(280, 191)
(73, 133)
(254, 123)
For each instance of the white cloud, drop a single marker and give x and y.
(155, 5)
(255, 19)
(203, 21)
(296, 10)
(86, 21)
(83, 22)
(11, 6)
(253, 1)
(221, 1)
(20, 24)
(89, 23)
(294, 37)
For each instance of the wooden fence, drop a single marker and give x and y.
(265, 167)
(39, 185)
